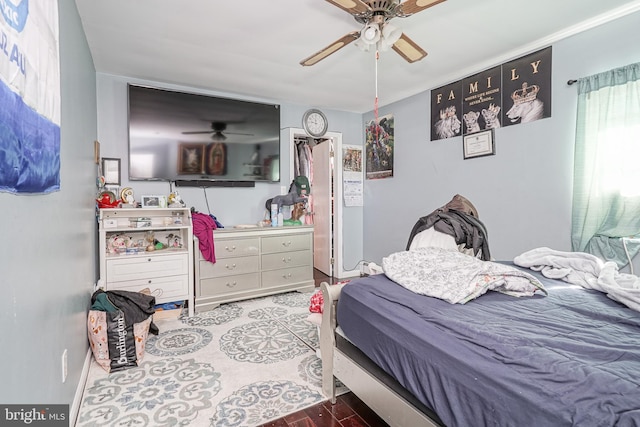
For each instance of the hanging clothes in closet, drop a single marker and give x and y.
(303, 166)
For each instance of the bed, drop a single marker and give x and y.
(567, 358)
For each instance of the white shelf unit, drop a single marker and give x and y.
(254, 262)
(127, 265)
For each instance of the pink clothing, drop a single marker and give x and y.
(203, 226)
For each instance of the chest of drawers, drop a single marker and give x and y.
(254, 262)
(126, 265)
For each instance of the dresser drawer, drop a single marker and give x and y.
(226, 248)
(286, 260)
(229, 284)
(286, 276)
(229, 266)
(165, 289)
(140, 267)
(286, 243)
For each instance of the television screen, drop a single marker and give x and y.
(177, 136)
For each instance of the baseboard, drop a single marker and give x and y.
(348, 274)
(77, 399)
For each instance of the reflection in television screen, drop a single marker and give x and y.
(187, 136)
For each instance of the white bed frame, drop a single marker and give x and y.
(384, 401)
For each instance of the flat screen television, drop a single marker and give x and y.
(188, 137)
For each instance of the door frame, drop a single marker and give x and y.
(336, 137)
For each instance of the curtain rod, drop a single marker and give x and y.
(570, 82)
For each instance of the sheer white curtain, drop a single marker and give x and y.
(606, 188)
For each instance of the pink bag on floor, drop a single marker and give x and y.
(123, 355)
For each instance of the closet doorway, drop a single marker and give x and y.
(319, 159)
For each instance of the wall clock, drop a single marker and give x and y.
(315, 122)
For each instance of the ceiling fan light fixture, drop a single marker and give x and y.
(218, 136)
(370, 34)
(360, 44)
(391, 34)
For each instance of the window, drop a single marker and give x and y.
(606, 188)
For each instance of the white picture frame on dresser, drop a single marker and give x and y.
(254, 262)
(167, 273)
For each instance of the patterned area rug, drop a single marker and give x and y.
(241, 364)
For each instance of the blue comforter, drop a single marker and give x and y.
(571, 358)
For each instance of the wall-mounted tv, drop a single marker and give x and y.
(178, 136)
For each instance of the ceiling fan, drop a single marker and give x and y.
(218, 132)
(374, 15)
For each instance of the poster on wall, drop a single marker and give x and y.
(482, 101)
(380, 146)
(526, 84)
(30, 97)
(446, 110)
(353, 188)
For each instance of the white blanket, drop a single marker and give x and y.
(586, 270)
(454, 276)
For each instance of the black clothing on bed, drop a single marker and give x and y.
(465, 228)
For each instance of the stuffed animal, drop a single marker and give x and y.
(298, 211)
(286, 200)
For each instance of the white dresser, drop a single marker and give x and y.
(125, 264)
(254, 262)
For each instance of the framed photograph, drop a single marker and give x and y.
(111, 171)
(191, 159)
(154, 201)
(478, 144)
(96, 152)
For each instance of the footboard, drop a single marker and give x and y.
(330, 295)
(391, 406)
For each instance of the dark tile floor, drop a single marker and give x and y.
(348, 411)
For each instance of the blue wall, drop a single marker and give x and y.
(48, 250)
(524, 192)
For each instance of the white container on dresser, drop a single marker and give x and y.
(125, 264)
(254, 262)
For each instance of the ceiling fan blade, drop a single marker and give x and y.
(193, 132)
(409, 7)
(237, 133)
(408, 49)
(333, 47)
(354, 7)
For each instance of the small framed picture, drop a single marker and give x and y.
(111, 171)
(191, 158)
(154, 201)
(478, 144)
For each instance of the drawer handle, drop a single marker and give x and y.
(230, 249)
(286, 244)
(286, 276)
(149, 259)
(286, 260)
(231, 285)
(230, 267)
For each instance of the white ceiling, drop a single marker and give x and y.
(252, 48)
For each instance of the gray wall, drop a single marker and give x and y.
(232, 206)
(48, 248)
(523, 194)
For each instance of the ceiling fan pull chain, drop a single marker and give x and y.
(375, 104)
